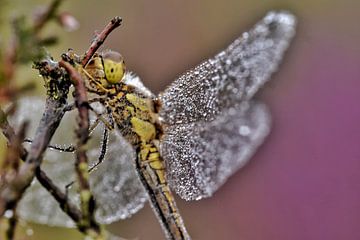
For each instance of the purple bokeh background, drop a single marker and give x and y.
(304, 182)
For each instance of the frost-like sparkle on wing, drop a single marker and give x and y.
(209, 132)
(232, 76)
(114, 183)
(201, 156)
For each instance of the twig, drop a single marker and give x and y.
(48, 124)
(87, 200)
(11, 167)
(41, 176)
(11, 163)
(10, 58)
(46, 16)
(69, 208)
(100, 38)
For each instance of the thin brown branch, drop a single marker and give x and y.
(69, 208)
(41, 176)
(10, 166)
(10, 58)
(13, 50)
(87, 200)
(47, 15)
(51, 118)
(100, 38)
(10, 169)
(12, 158)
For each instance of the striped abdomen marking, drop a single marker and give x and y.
(151, 170)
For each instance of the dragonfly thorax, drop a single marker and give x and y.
(133, 113)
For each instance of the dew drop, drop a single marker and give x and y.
(117, 188)
(9, 213)
(244, 130)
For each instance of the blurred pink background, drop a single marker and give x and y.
(304, 182)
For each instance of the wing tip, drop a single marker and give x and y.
(283, 17)
(284, 20)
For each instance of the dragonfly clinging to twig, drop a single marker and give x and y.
(189, 139)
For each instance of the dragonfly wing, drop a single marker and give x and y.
(232, 76)
(117, 189)
(114, 183)
(200, 156)
(37, 205)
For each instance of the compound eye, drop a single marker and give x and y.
(114, 66)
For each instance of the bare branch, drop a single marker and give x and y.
(9, 172)
(100, 38)
(10, 58)
(46, 16)
(41, 176)
(52, 116)
(81, 165)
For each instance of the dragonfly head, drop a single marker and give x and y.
(114, 67)
(104, 71)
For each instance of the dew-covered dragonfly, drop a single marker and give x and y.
(190, 138)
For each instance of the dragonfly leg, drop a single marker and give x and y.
(104, 145)
(100, 159)
(105, 140)
(67, 187)
(71, 106)
(108, 123)
(69, 148)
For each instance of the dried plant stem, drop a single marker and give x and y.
(100, 38)
(10, 58)
(12, 193)
(47, 15)
(87, 200)
(69, 208)
(11, 167)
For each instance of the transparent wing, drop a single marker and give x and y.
(200, 156)
(37, 205)
(232, 76)
(114, 183)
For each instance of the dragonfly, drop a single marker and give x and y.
(189, 139)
